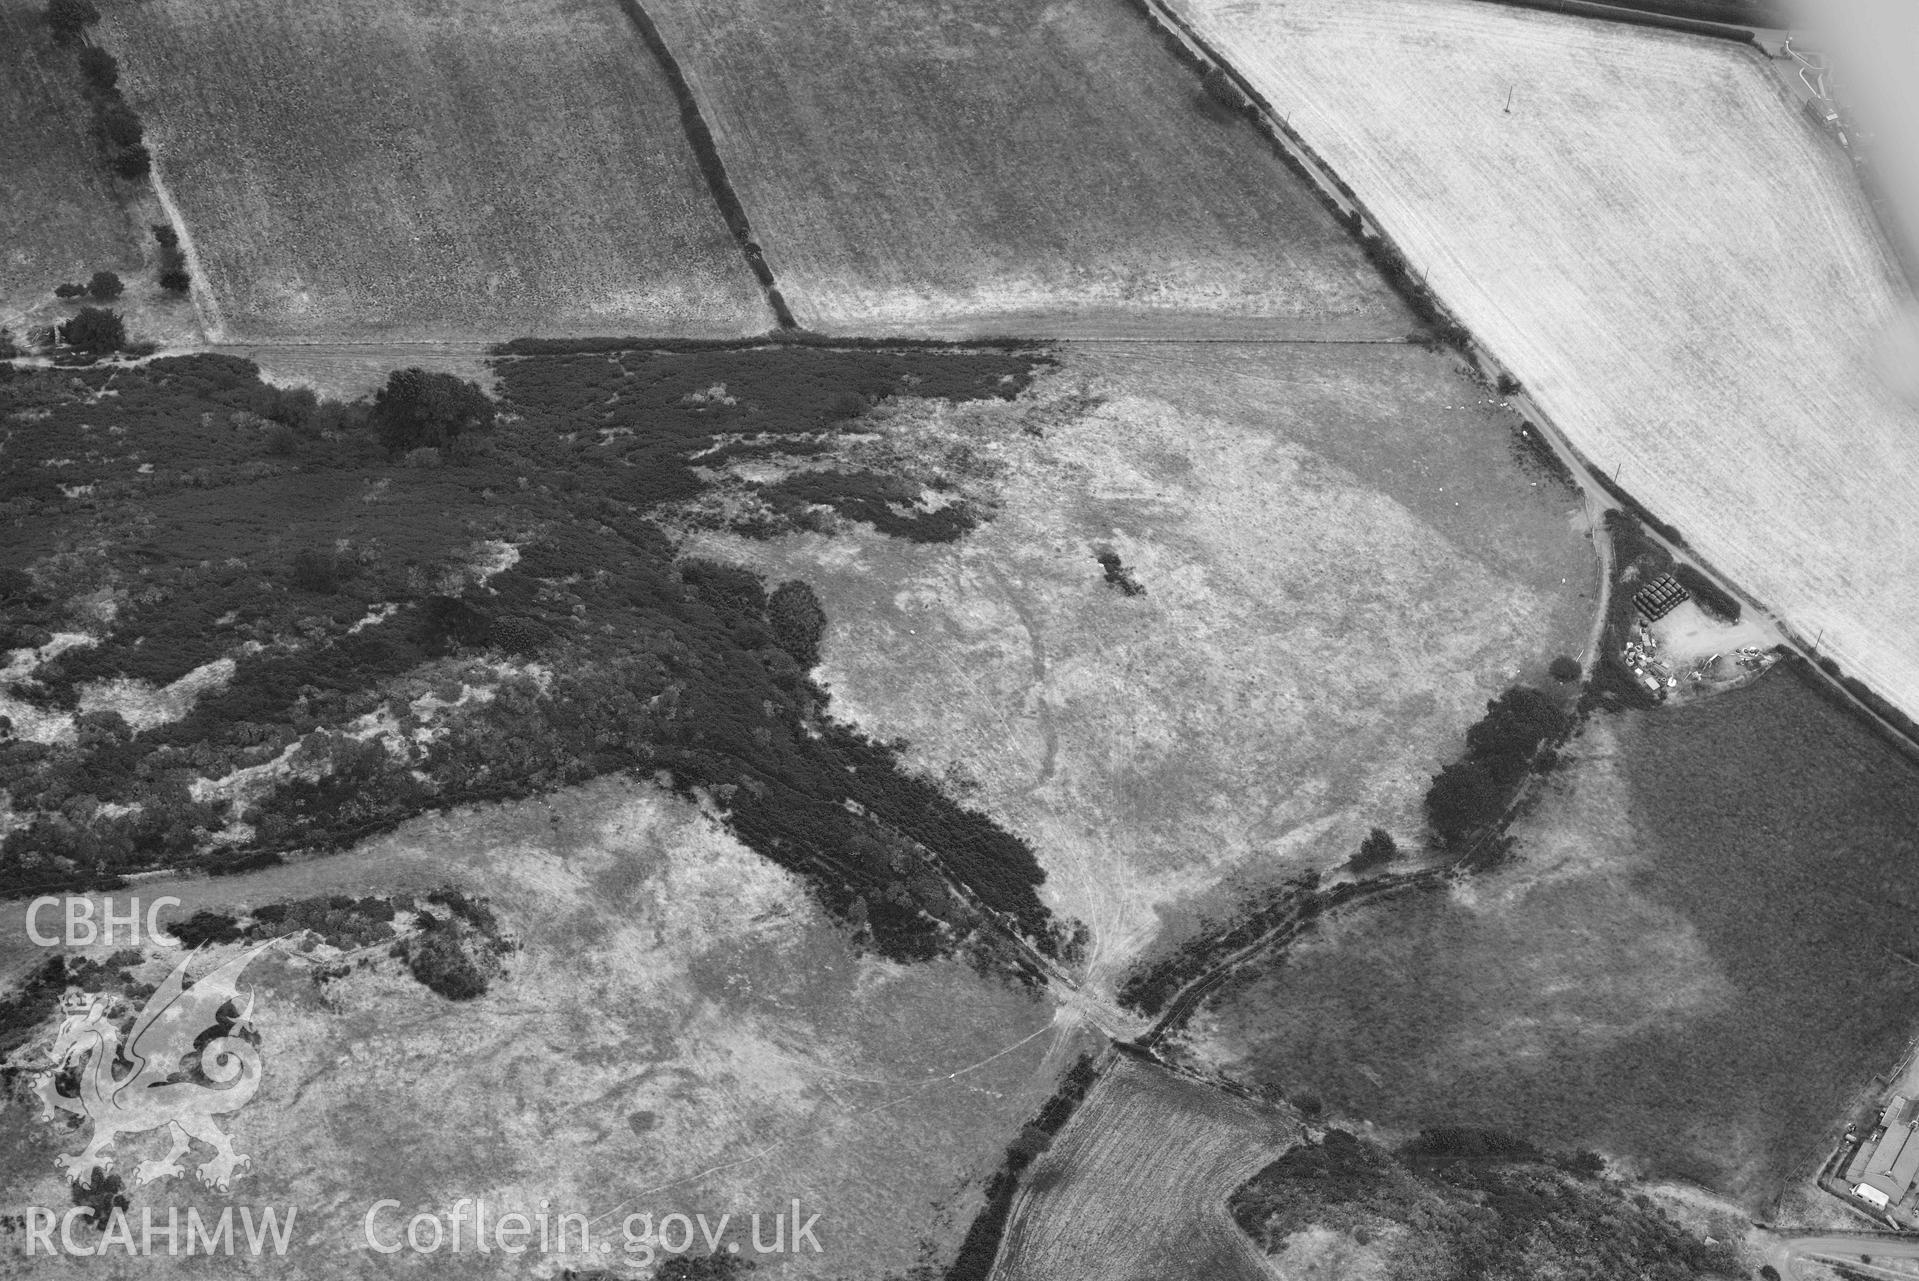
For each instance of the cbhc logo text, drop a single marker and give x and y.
(83, 931)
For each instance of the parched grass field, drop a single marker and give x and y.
(1344, 551)
(59, 218)
(1680, 268)
(681, 1031)
(430, 169)
(1137, 1184)
(1006, 167)
(1703, 951)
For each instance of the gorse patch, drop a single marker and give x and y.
(509, 618)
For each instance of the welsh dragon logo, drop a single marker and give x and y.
(149, 1083)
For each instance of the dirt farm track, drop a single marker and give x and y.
(1677, 265)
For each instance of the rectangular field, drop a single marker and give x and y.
(992, 166)
(1138, 1182)
(430, 169)
(1679, 267)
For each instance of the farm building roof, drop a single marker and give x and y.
(1660, 597)
(1895, 1162)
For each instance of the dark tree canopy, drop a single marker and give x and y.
(1565, 669)
(133, 163)
(175, 280)
(100, 68)
(1515, 723)
(1473, 792)
(420, 410)
(67, 17)
(798, 621)
(1378, 848)
(105, 286)
(119, 126)
(95, 329)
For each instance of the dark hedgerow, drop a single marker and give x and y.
(1712, 598)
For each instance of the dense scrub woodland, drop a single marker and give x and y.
(243, 621)
(1465, 1205)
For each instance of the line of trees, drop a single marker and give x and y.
(174, 277)
(114, 122)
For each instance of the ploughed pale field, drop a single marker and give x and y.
(1675, 262)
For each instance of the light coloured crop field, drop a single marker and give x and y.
(1342, 559)
(430, 169)
(1009, 166)
(1668, 255)
(681, 1031)
(1136, 1185)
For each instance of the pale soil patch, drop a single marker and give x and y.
(1136, 1185)
(1001, 166)
(1322, 617)
(1323, 1254)
(433, 169)
(683, 1031)
(144, 705)
(1689, 634)
(1679, 267)
(29, 722)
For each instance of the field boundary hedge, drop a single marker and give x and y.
(778, 338)
(700, 137)
(1198, 53)
(980, 1250)
(1634, 16)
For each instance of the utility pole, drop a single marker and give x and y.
(1509, 98)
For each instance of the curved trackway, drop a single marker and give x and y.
(1847, 1248)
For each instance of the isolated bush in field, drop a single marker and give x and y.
(798, 621)
(1377, 849)
(417, 410)
(176, 280)
(69, 290)
(95, 329)
(105, 286)
(1565, 669)
(439, 961)
(167, 237)
(67, 17)
(100, 68)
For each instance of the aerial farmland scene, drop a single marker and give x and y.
(959, 640)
